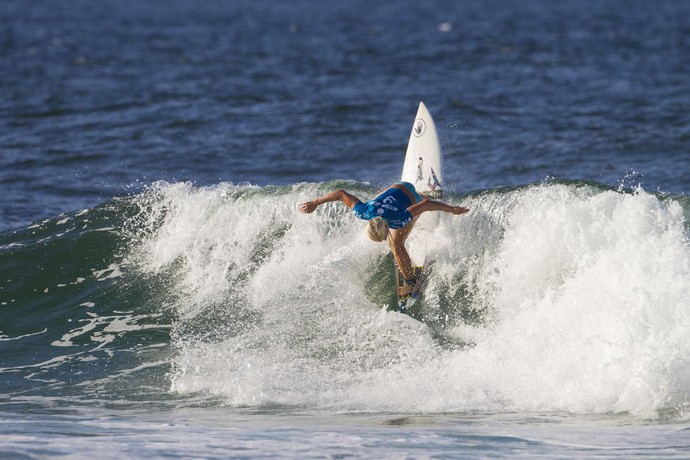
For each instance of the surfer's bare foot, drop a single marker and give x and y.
(405, 290)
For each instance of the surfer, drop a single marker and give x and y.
(391, 216)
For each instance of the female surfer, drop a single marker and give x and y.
(392, 215)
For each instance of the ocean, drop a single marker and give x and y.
(162, 297)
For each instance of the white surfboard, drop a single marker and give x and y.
(423, 161)
(423, 167)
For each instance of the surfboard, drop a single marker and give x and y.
(423, 167)
(423, 159)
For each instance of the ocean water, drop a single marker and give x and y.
(160, 295)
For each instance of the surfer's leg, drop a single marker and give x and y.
(397, 243)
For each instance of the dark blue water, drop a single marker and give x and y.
(161, 296)
(98, 100)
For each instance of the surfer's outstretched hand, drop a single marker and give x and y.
(457, 210)
(307, 207)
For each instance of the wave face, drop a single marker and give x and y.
(548, 297)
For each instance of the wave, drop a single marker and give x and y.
(561, 296)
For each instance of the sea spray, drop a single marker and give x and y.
(590, 293)
(573, 297)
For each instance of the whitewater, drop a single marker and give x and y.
(551, 297)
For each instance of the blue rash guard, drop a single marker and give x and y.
(391, 205)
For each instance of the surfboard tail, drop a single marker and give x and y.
(408, 299)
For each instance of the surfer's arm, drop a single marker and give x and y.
(432, 205)
(341, 195)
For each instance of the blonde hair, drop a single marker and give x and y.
(377, 229)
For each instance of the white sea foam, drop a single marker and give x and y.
(583, 295)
